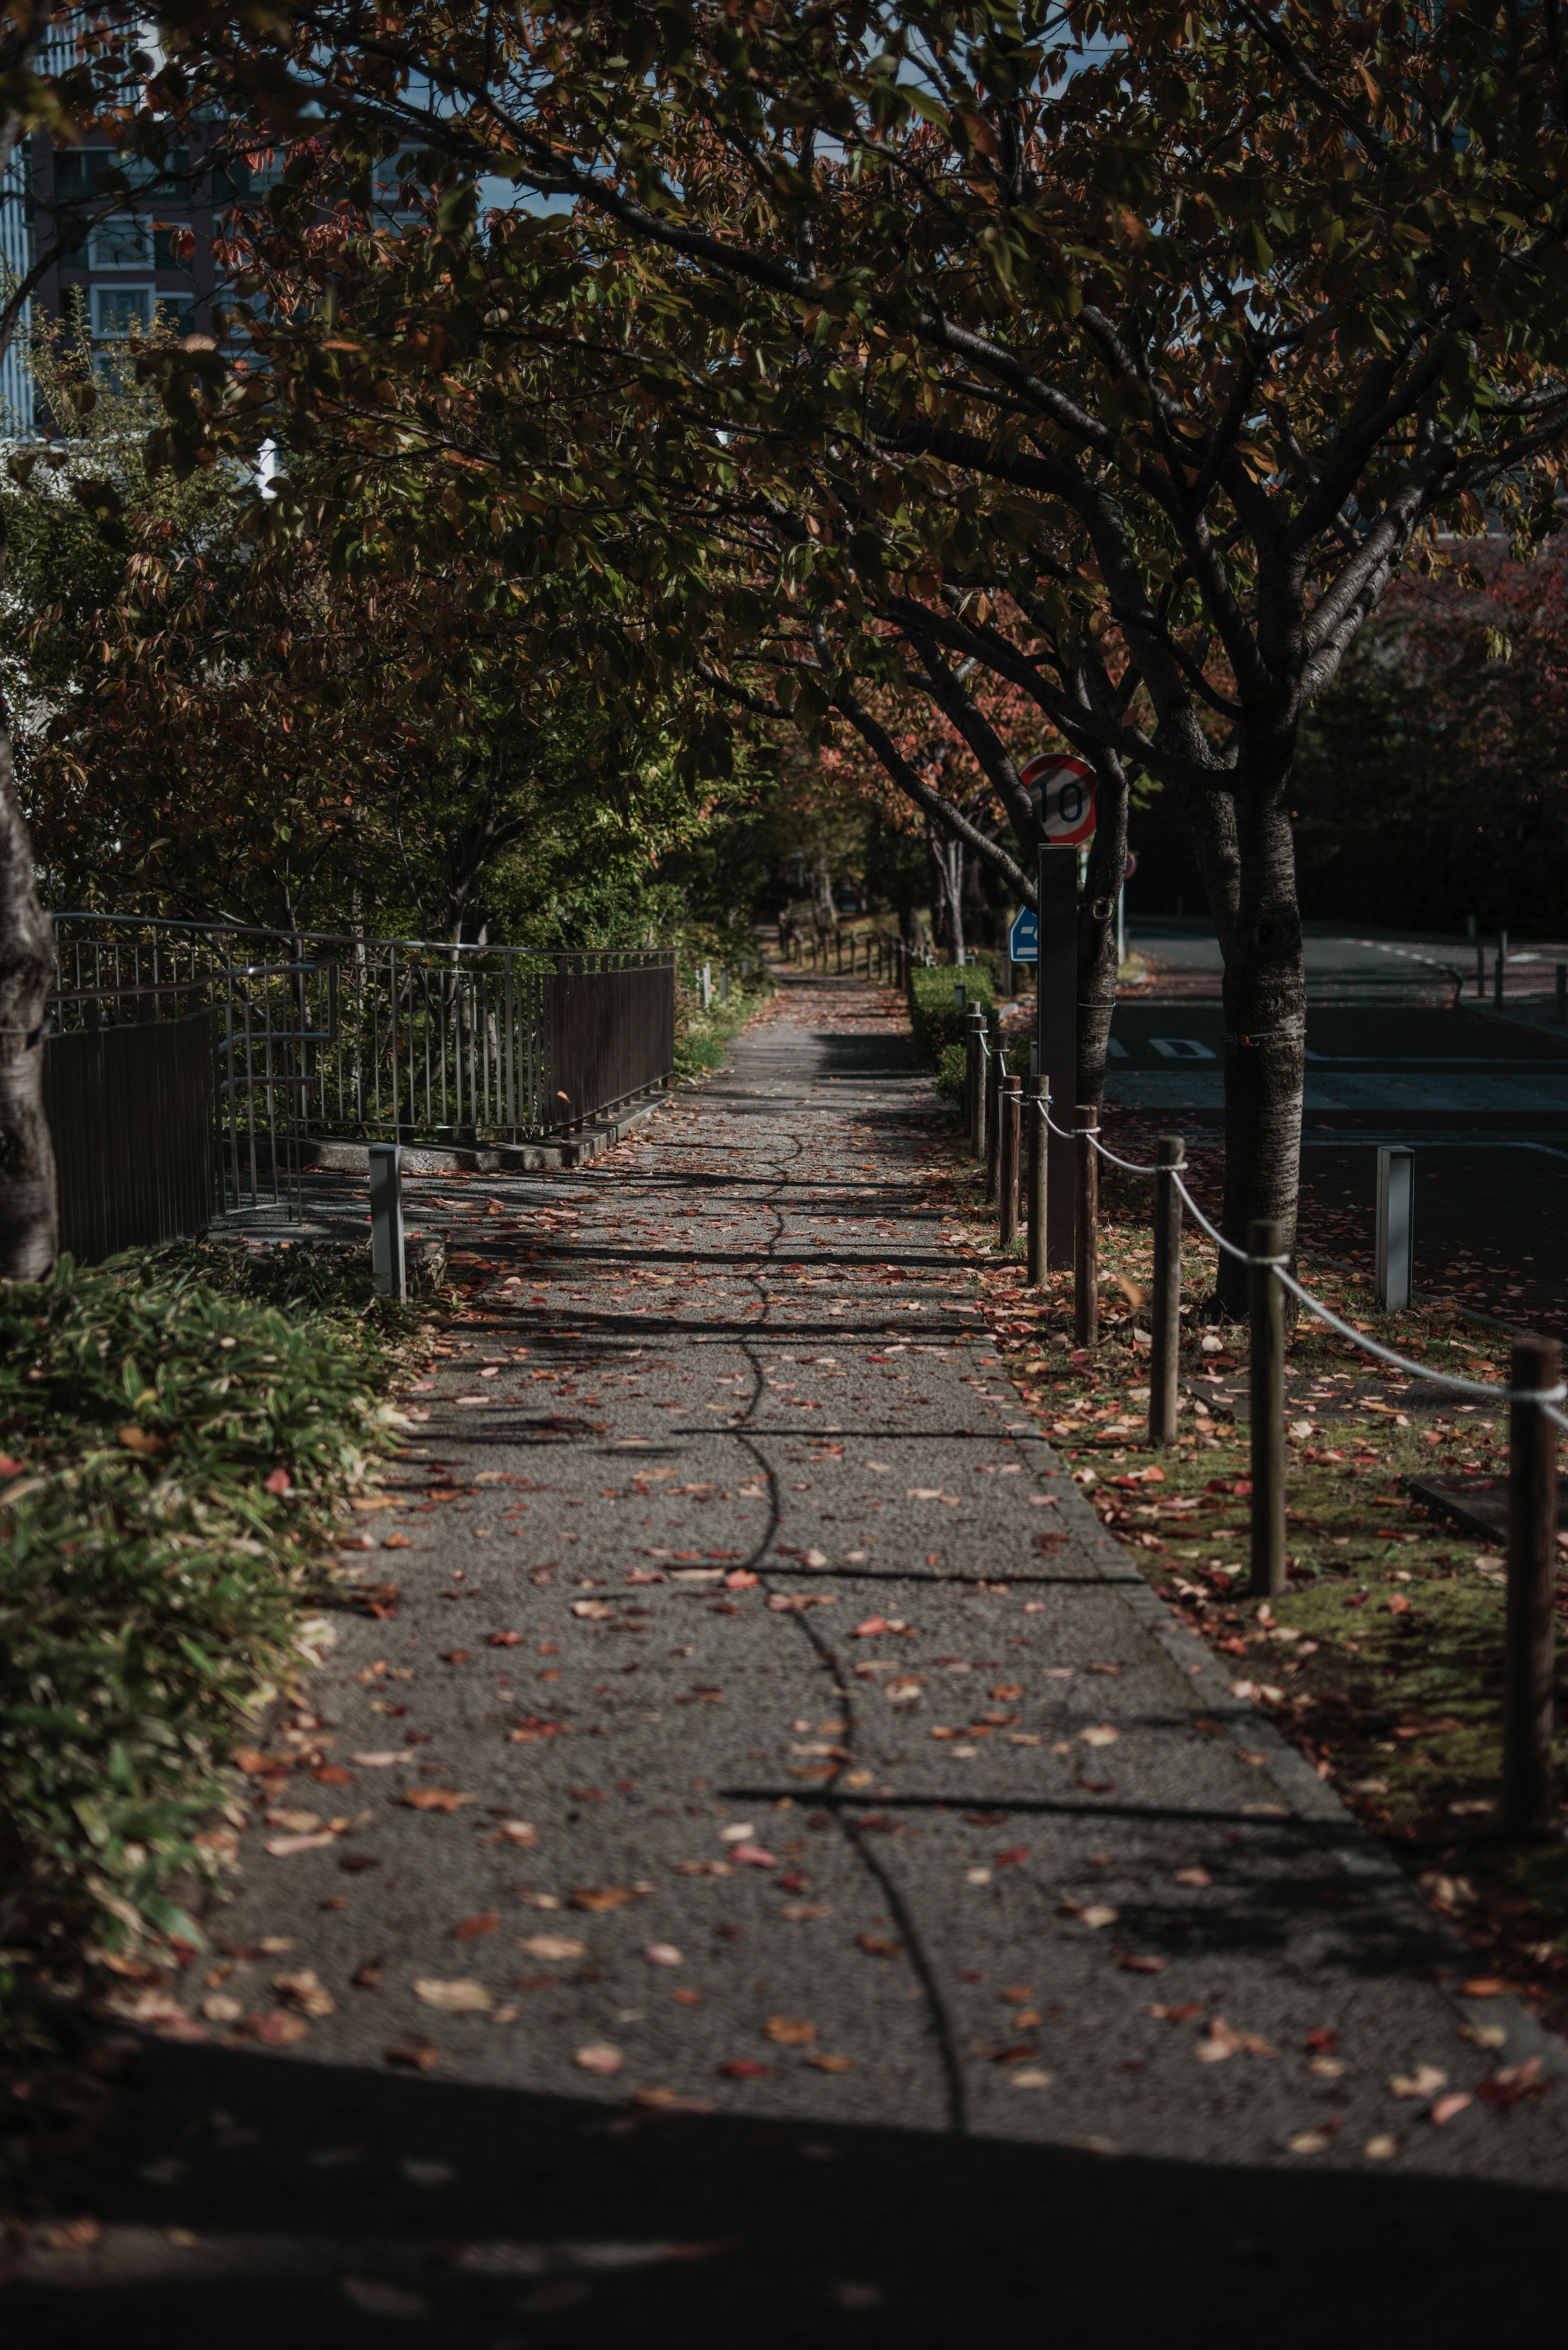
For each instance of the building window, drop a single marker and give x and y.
(124, 241)
(117, 309)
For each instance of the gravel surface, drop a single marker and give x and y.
(822, 1778)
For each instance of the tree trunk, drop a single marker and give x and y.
(1097, 929)
(823, 907)
(1265, 1010)
(947, 857)
(29, 1227)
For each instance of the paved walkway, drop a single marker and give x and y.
(768, 1873)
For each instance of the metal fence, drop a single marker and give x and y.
(404, 1039)
(130, 1114)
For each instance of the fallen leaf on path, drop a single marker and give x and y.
(1102, 1735)
(502, 1639)
(1381, 2148)
(418, 2054)
(1483, 1986)
(877, 1945)
(1223, 2040)
(1511, 2083)
(470, 1929)
(601, 1898)
(670, 2101)
(598, 2056)
(552, 1946)
(281, 2028)
(797, 1911)
(826, 2063)
(1192, 1877)
(305, 1990)
(790, 2030)
(284, 1846)
(397, 1542)
(1447, 2107)
(368, 1975)
(745, 2068)
(461, 1996)
(1182, 2013)
(736, 1832)
(1137, 1965)
(1316, 2140)
(1424, 2082)
(752, 1856)
(662, 1954)
(433, 1799)
(518, 1832)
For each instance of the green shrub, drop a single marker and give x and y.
(935, 1020)
(170, 1443)
(952, 1072)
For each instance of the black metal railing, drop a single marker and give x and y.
(130, 1112)
(326, 1034)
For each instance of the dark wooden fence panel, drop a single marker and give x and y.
(130, 1111)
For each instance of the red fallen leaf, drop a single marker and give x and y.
(1013, 1857)
(333, 1774)
(434, 1799)
(745, 2068)
(279, 1483)
(646, 1574)
(1182, 2013)
(356, 1862)
(503, 1639)
(471, 1930)
(1510, 2083)
(741, 1580)
(877, 1945)
(791, 1881)
(753, 1855)
(1323, 2040)
(9, 1468)
(1136, 1964)
(1398, 1604)
(872, 1627)
(1447, 2107)
(457, 1656)
(259, 1766)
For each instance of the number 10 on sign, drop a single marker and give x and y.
(1065, 790)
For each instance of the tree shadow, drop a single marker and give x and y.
(248, 2199)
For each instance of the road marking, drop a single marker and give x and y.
(1181, 1048)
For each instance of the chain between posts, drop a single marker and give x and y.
(1534, 1393)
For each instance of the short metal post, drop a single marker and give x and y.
(1563, 995)
(1497, 979)
(707, 986)
(1010, 1103)
(1395, 1244)
(838, 943)
(1039, 1162)
(1266, 1301)
(1480, 966)
(387, 1266)
(972, 1075)
(981, 1082)
(1085, 1254)
(1169, 1153)
(1527, 1728)
(724, 984)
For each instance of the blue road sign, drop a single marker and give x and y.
(1023, 937)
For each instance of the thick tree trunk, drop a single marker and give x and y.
(1265, 1010)
(948, 858)
(29, 1217)
(826, 911)
(1098, 929)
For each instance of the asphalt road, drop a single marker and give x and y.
(836, 1904)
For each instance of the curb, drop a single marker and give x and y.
(482, 1158)
(1308, 1799)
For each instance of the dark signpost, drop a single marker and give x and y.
(1066, 788)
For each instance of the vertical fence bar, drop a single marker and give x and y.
(386, 1258)
(1529, 1642)
(993, 1070)
(1266, 1304)
(1169, 1153)
(1085, 1254)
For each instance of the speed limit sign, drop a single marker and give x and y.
(1067, 789)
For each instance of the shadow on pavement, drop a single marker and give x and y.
(251, 2200)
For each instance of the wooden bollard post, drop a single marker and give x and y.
(992, 1116)
(1085, 1255)
(1169, 1153)
(1266, 1304)
(976, 1104)
(1528, 1652)
(1010, 1101)
(1039, 1148)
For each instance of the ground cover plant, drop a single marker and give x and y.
(175, 1428)
(1383, 1660)
(700, 1035)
